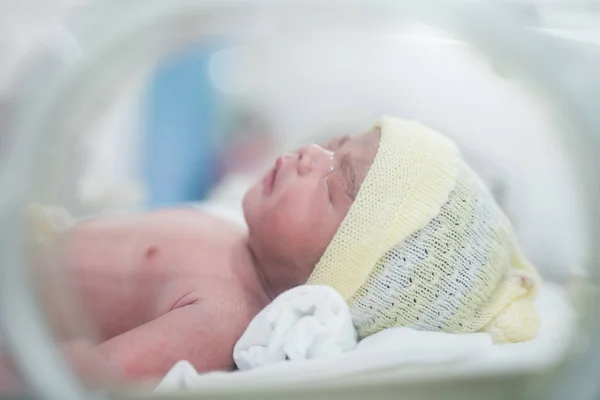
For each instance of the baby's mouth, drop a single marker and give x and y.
(269, 180)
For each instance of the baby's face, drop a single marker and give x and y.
(295, 210)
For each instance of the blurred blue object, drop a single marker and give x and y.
(180, 149)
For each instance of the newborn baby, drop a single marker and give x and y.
(392, 219)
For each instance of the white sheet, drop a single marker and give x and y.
(403, 353)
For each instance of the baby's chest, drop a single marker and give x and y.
(181, 278)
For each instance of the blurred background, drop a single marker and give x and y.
(200, 121)
(219, 108)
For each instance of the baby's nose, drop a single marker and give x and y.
(314, 156)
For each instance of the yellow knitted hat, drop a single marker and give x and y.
(425, 246)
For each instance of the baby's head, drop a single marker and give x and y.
(401, 227)
(294, 212)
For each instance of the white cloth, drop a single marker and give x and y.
(402, 353)
(305, 323)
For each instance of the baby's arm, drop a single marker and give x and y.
(197, 333)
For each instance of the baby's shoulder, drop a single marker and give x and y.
(201, 220)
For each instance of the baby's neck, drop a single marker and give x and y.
(277, 276)
(249, 274)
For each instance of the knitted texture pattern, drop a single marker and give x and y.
(425, 246)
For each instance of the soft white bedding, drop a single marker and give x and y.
(404, 353)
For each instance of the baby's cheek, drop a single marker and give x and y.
(283, 225)
(295, 217)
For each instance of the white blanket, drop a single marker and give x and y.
(310, 326)
(305, 323)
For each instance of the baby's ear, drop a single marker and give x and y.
(45, 223)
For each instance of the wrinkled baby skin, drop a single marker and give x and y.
(179, 284)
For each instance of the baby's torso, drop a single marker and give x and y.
(129, 270)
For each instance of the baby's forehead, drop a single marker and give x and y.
(357, 154)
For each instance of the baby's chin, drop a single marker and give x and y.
(251, 202)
